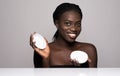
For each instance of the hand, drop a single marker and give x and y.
(43, 52)
(76, 63)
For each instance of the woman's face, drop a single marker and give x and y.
(69, 26)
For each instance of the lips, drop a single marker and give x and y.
(72, 35)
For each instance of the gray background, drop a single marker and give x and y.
(20, 18)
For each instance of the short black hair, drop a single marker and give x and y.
(62, 8)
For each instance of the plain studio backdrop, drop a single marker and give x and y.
(20, 18)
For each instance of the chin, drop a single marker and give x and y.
(71, 40)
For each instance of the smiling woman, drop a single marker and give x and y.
(67, 18)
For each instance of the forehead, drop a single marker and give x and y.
(71, 15)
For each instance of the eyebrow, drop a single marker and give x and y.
(72, 21)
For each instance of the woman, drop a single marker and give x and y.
(67, 18)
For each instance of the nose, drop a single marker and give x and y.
(73, 28)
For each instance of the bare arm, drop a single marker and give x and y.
(92, 52)
(43, 54)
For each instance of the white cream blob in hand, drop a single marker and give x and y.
(79, 56)
(39, 41)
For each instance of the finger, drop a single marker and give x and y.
(31, 39)
(34, 33)
(75, 63)
(89, 60)
(33, 45)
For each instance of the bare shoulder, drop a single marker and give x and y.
(88, 47)
(51, 44)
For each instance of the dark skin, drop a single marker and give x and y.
(58, 52)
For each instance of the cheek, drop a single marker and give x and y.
(63, 31)
(62, 28)
(78, 31)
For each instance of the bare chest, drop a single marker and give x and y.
(60, 57)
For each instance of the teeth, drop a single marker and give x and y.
(72, 35)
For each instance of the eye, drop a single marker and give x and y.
(68, 23)
(78, 24)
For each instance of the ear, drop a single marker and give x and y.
(56, 23)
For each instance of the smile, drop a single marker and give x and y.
(72, 35)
